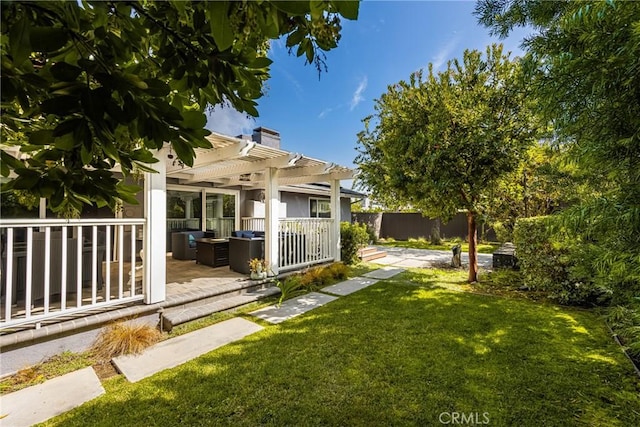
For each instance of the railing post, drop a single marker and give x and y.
(154, 257)
(334, 235)
(272, 201)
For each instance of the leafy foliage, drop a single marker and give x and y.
(90, 85)
(543, 183)
(584, 63)
(353, 237)
(442, 141)
(311, 280)
(553, 262)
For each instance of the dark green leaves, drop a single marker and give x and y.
(348, 9)
(19, 38)
(47, 39)
(65, 72)
(221, 30)
(41, 137)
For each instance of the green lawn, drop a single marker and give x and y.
(483, 248)
(400, 352)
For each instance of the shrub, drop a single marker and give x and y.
(354, 237)
(338, 271)
(290, 287)
(504, 233)
(625, 322)
(124, 338)
(373, 239)
(552, 262)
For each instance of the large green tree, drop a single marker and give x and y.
(543, 183)
(440, 142)
(88, 85)
(585, 62)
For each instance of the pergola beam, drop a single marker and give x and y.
(234, 151)
(280, 162)
(347, 174)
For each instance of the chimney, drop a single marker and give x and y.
(267, 137)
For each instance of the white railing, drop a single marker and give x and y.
(252, 223)
(55, 267)
(304, 241)
(183, 223)
(222, 226)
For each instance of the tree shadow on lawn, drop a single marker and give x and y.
(394, 353)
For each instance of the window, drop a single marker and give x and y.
(319, 208)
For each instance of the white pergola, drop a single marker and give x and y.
(233, 163)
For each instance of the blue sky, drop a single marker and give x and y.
(320, 118)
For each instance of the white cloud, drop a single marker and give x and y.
(444, 54)
(324, 112)
(357, 97)
(227, 120)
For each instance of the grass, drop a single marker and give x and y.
(54, 367)
(400, 352)
(421, 243)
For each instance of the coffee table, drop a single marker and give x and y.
(212, 252)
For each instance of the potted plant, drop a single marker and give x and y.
(258, 268)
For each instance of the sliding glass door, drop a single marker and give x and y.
(220, 213)
(184, 210)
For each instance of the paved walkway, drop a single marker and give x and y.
(176, 351)
(424, 258)
(41, 402)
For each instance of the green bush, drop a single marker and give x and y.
(504, 233)
(373, 239)
(354, 237)
(553, 262)
(625, 322)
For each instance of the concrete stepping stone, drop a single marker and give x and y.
(349, 286)
(176, 351)
(388, 260)
(411, 263)
(292, 307)
(384, 273)
(40, 402)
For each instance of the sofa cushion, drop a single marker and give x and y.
(192, 241)
(240, 233)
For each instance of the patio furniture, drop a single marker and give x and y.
(212, 252)
(244, 249)
(183, 243)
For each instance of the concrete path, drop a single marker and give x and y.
(383, 273)
(349, 286)
(53, 397)
(425, 258)
(176, 351)
(292, 307)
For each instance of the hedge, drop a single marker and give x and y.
(353, 237)
(553, 262)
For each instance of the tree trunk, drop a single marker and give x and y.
(473, 246)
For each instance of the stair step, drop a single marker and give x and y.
(374, 255)
(367, 250)
(177, 316)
